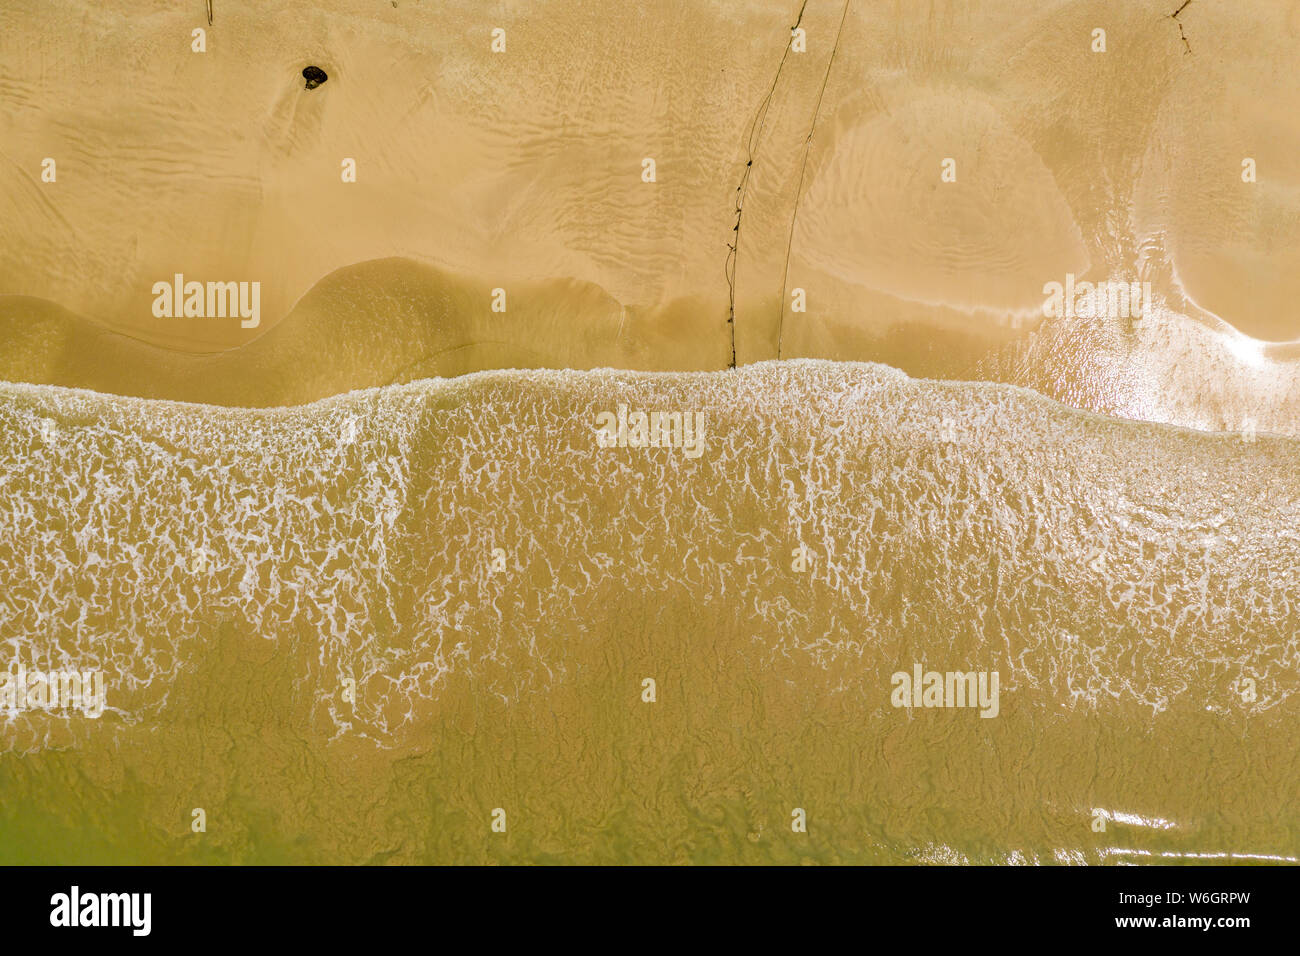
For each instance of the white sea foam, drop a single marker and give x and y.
(1095, 563)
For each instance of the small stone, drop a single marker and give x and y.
(314, 76)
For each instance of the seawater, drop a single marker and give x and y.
(350, 631)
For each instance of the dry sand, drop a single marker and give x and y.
(522, 170)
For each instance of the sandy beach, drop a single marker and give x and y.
(522, 170)
(986, 312)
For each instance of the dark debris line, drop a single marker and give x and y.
(803, 170)
(752, 140)
(1182, 35)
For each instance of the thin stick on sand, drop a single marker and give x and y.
(209, 12)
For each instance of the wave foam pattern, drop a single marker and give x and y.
(1090, 559)
(1122, 569)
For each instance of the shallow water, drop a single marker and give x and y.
(230, 570)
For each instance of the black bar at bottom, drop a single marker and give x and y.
(665, 906)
